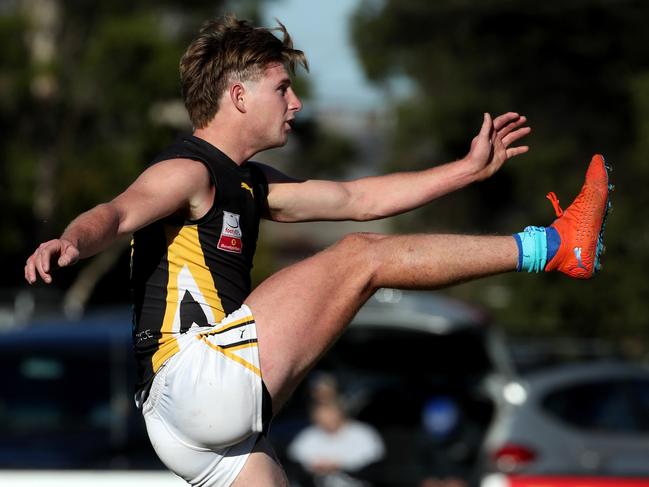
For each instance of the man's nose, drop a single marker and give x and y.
(294, 102)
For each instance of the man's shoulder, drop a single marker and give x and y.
(180, 170)
(181, 164)
(178, 148)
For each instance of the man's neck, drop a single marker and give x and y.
(227, 142)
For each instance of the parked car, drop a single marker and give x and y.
(588, 419)
(407, 359)
(67, 415)
(66, 407)
(502, 480)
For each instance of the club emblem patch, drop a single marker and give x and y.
(231, 234)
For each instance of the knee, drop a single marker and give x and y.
(359, 242)
(361, 252)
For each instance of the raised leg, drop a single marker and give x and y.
(302, 309)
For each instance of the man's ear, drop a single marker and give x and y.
(237, 96)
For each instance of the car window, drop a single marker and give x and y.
(411, 353)
(63, 405)
(641, 401)
(605, 406)
(39, 386)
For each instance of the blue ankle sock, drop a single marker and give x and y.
(536, 247)
(554, 241)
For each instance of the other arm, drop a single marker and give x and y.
(382, 196)
(162, 189)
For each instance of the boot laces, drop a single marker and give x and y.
(555, 203)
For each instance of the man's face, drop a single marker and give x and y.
(271, 104)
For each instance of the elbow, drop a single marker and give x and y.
(363, 215)
(363, 209)
(116, 220)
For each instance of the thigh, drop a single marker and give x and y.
(197, 466)
(302, 309)
(210, 393)
(262, 469)
(205, 406)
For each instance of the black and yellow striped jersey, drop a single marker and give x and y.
(195, 271)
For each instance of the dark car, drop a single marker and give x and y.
(68, 400)
(408, 358)
(67, 397)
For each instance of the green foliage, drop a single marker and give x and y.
(80, 122)
(16, 177)
(580, 71)
(320, 153)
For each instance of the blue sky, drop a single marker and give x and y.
(320, 29)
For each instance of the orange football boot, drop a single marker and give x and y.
(581, 225)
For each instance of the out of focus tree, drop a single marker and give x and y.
(89, 93)
(579, 70)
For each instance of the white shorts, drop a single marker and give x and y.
(207, 403)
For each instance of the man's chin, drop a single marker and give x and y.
(281, 142)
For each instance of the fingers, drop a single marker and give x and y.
(68, 257)
(30, 273)
(42, 261)
(516, 151)
(510, 126)
(34, 268)
(487, 125)
(515, 135)
(510, 131)
(490, 148)
(39, 263)
(485, 134)
(502, 120)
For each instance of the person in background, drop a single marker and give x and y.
(335, 449)
(217, 359)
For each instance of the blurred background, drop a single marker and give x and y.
(89, 93)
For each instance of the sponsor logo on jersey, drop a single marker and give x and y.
(231, 236)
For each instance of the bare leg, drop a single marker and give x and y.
(262, 469)
(302, 309)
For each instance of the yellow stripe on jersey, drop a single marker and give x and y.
(228, 353)
(188, 271)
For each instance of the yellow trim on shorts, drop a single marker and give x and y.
(228, 326)
(228, 353)
(241, 347)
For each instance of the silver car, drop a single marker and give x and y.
(579, 419)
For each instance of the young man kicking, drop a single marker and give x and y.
(217, 360)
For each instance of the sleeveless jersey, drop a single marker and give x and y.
(194, 271)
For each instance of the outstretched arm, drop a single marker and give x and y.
(161, 190)
(382, 196)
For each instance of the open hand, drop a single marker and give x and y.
(491, 147)
(48, 255)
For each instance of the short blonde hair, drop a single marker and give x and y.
(226, 50)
